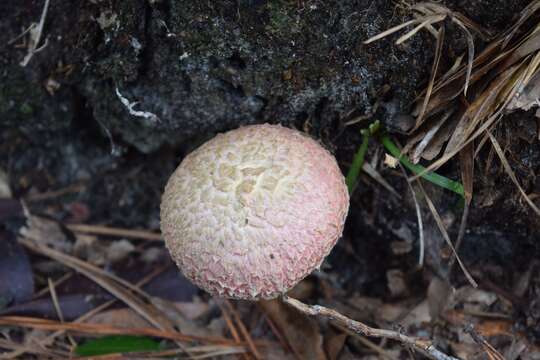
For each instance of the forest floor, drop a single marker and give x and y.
(83, 269)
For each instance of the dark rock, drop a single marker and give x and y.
(200, 67)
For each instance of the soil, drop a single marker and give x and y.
(205, 67)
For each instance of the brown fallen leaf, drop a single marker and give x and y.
(438, 296)
(333, 343)
(185, 325)
(124, 318)
(46, 232)
(302, 333)
(97, 252)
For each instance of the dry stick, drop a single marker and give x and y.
(488, 348)
(358, 327)
(113, 231)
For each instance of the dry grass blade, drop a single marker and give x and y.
(446, 237)
(421, 240)
(54, 297)
(243, 330)
(99, 329)
(428, 137)
(18, 349)
(487, 124)
(116, 232)
(466, 157)
(102, 307)
(108, 282)
(470, 52)
(434, 68)
(467, 177)
(375, 175)
(525, 15)
(206, 351)
(391, 31)
(425, 23)
(511, 173)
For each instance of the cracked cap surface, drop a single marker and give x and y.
(253, 211)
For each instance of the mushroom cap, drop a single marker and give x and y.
(253, 211)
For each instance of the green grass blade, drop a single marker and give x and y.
(358, 162)
(116, 344)
(435, 178)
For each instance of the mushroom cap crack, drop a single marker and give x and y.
(253, 211)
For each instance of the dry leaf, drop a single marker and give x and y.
(124, 317)
(97, 252)
(302, 333)
(439, 296)
(46, 232)
(187, 326)
(528, 98)
(396, 282)
(333, 344)
(119, 250)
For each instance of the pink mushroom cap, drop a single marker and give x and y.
(253, 211)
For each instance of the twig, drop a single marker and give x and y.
(358, 327)
(492, 353)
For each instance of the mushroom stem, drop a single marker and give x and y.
(424, 345)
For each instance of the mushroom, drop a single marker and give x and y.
(253, 211)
